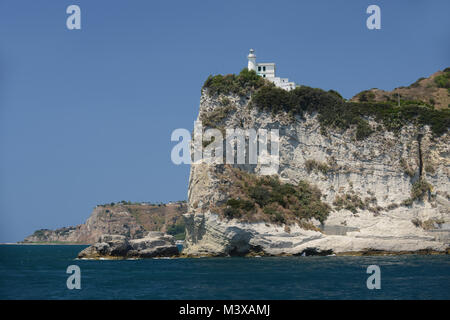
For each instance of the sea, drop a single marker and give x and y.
(40, 272)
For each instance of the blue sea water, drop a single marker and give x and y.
(39, 272)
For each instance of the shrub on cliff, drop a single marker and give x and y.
(366, 96)
(337, 113)
(216, 116)
(420, 188)
(443, 80)
(241, 84)
(350, 202)
(177, 230)
(316, 166)
(266, 198)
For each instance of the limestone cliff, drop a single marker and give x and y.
(130, 220)
(388, 190)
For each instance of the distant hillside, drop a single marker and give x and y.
(133, 220)
(433, 91)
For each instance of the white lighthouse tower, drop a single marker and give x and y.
(267, 70)
(251, 60)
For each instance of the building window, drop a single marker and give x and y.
(264, 68)
(259, 68)
(264, 75)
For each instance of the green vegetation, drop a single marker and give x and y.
(316, 166)
(366, 96)
(206, 143)
(417, 222)
(392, 206)
(133, 203)
(417, 83)
(41, 233)
(335, 112)
(443, 80)
(337, 94)
(177, 230)
(427, 224)
(420, 188)
(429, 168)
(265, 198)
(406, 168)
(213, 118)
(350, 202)
(363, 129)
(242, 84)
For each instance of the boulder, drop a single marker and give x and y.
(154, 244)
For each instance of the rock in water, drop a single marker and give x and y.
(155, 244)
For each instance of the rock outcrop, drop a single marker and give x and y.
(130, 220)
(154, 244)
(368, 183)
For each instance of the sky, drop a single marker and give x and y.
(86, 115)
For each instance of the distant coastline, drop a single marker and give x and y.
(44, 244)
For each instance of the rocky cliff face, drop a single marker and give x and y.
(389, 192)
(130, 220)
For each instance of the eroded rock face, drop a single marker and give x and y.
(132, 221)
(380, 170)
(155, 244)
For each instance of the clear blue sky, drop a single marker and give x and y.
(86, 116)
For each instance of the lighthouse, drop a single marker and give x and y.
(267, 70)
(251, 60)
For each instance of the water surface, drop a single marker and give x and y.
(39, 272)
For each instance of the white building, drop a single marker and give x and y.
(267, 70)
